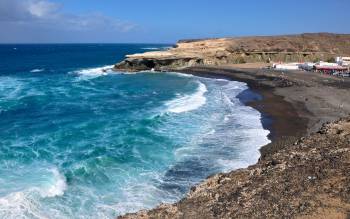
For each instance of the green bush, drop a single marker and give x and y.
(317, 60)
(331, 59)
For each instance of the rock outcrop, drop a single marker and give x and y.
(222, 51)
(308, 179)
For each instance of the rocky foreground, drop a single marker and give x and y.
(308, 179)
(222, 51)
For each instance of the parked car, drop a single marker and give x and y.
(347, 74)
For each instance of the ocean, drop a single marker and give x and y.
(80, 142)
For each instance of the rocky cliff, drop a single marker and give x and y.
(222, 51)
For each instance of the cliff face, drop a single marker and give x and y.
(291, 48)
(307, 179)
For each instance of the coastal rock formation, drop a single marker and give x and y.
(290, 48)
(308, 179)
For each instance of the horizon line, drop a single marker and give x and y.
(181, 39)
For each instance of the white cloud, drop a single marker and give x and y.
(42, 8)
(94, 21)
(49, 15)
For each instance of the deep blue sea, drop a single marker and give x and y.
(80, 142)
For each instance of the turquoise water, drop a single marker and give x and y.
(78, 142)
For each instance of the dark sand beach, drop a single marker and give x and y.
(297, 102)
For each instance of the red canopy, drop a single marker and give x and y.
(329, 68)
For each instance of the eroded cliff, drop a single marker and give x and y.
(291, 48)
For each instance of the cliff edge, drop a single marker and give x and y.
(222, 51)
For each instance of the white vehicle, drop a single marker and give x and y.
(286, 66)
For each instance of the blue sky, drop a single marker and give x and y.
(161, 21)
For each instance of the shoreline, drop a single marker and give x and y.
(289, 113)
(279, 125)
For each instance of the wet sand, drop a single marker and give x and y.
(293, 104)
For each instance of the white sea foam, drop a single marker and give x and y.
(251, 132)
(57, 186)
(37, 70)
(180, 74)
(157, 48)
(27, 202)
(221, 79)
(188, 102)
(150, 48)
(207, 138)
(20, 205)
(238, 130)
(11, 89)
(254, 138)
(94, 72)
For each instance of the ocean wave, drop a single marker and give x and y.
(198, 144)
(254, 138)
(150, 48)
(251, 129)
(188, 102)
(180, 74)
(232, 120)
(94, 72)
(44, 181)
(157, 48)
(221, 79)
(10, 87)
(27, 202)
(20, 205)
(57, 186)
(11, 90)
(37, 70)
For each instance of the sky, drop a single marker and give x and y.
(162, 21)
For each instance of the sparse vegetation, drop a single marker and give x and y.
(332, 59)
(241, 60)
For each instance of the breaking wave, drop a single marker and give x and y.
(37, 70)
(116, 156)
(57, 186)
(26, 203)
(180, 74)
(151, 48)
(94, 72)
(157, 48)
(187, 103)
